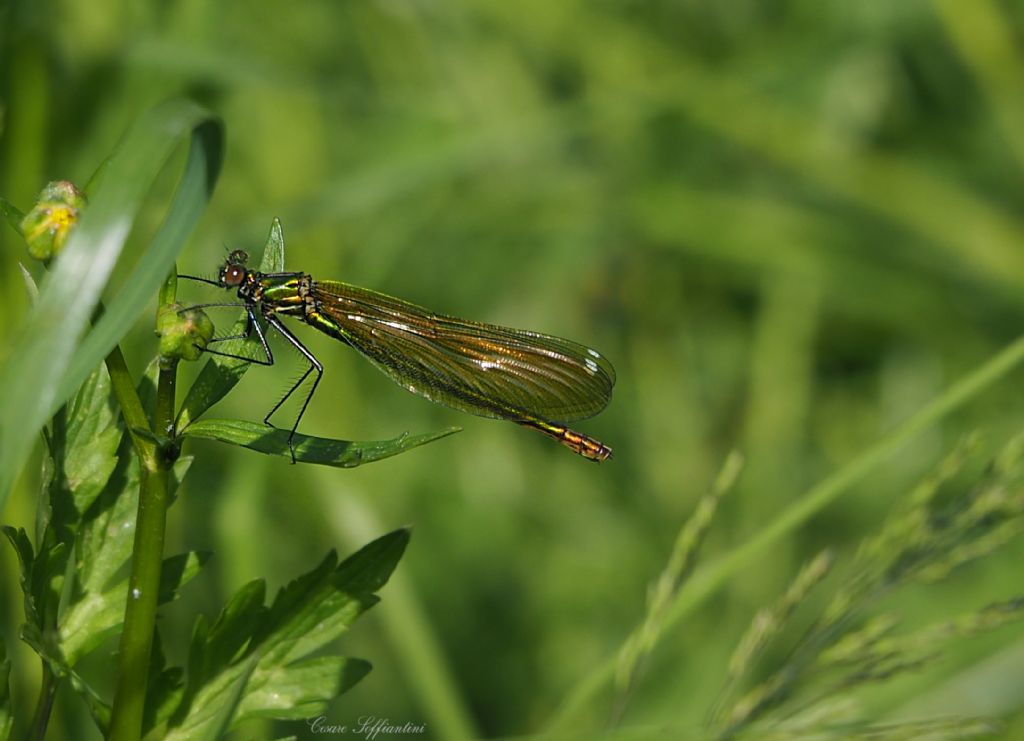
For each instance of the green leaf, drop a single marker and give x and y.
(225, 640)
(98, 709)
(49, 358)
(252, 658)
(26, 561)
(302, 689)
(210, 714)
(93, 433)
(6, 716)
(30, 284)
(146, 387)
(95, 603)
(308, 449)
(220, 374)
(314, 610)
(97, 615)
(165, 686)
(23, 548)
(369, 568)
(105, 540)
(12, 214)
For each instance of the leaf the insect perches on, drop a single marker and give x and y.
(308, 449)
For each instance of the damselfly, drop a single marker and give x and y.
(532, 379)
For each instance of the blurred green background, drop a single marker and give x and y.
(788, 224)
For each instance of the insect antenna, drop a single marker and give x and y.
(199, 279)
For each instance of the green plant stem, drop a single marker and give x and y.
(147, 553)
(707, 580)
(144, 582)
(47, 691)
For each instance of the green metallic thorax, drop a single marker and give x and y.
(283, 294)
(290, 294)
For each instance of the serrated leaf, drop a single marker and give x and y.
(308, 449)
(302, 689)
(97, 615)
(221, 374)
(19, 540)
(196, 660)
(211, 711)
(6, 715)
(40, 577)
(369, 568)
(179, 570)
(164, 688)
(100, 711)
(229, 635)
(306, 615)
(23, 548)
(94, 431)
(105, 538)
(48, 577)
(104, 542)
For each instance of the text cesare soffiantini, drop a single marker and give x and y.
(369, 727)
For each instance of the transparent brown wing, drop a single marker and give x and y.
(478, 368)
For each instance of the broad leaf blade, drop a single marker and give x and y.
(220, 374)
(308, 449)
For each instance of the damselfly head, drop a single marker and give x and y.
(234, 271)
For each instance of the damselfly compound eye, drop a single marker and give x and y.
(233, 275)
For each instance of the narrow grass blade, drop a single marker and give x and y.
(149, 274)
(705, 581)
